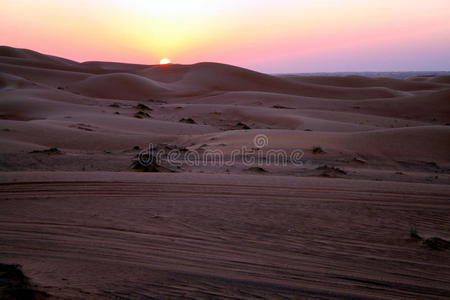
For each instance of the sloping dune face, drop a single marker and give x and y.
(207, 77)
(8, 81)
(337, 222)
(119, 86)
(26, 54)
(362, 82)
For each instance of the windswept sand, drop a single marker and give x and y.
(84, 225)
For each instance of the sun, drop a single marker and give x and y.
(165, 61)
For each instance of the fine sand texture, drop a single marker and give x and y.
(362, 212)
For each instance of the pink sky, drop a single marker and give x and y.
(270, 36)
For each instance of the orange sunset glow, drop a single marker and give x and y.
(271, 36)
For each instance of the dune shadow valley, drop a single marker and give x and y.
(211, 181)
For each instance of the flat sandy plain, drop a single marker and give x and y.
(84, 225)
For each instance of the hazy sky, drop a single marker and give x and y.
(266, 35)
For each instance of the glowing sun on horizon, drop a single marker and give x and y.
(165, 61)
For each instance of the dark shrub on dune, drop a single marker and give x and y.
(14, 285)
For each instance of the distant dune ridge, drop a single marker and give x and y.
(84, 224)
(51, 95)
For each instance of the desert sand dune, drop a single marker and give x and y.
(223, 100)
(267, 99)
(268, 118)
(434, 106)
(27, 54)
(8, 81)
(426, 143)
(169, 74)
(441, 79)
(112, 66)
(84, 223)
(445, 79)
(361, 82)
(43, 75)
(206, 77)
(119, 86)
